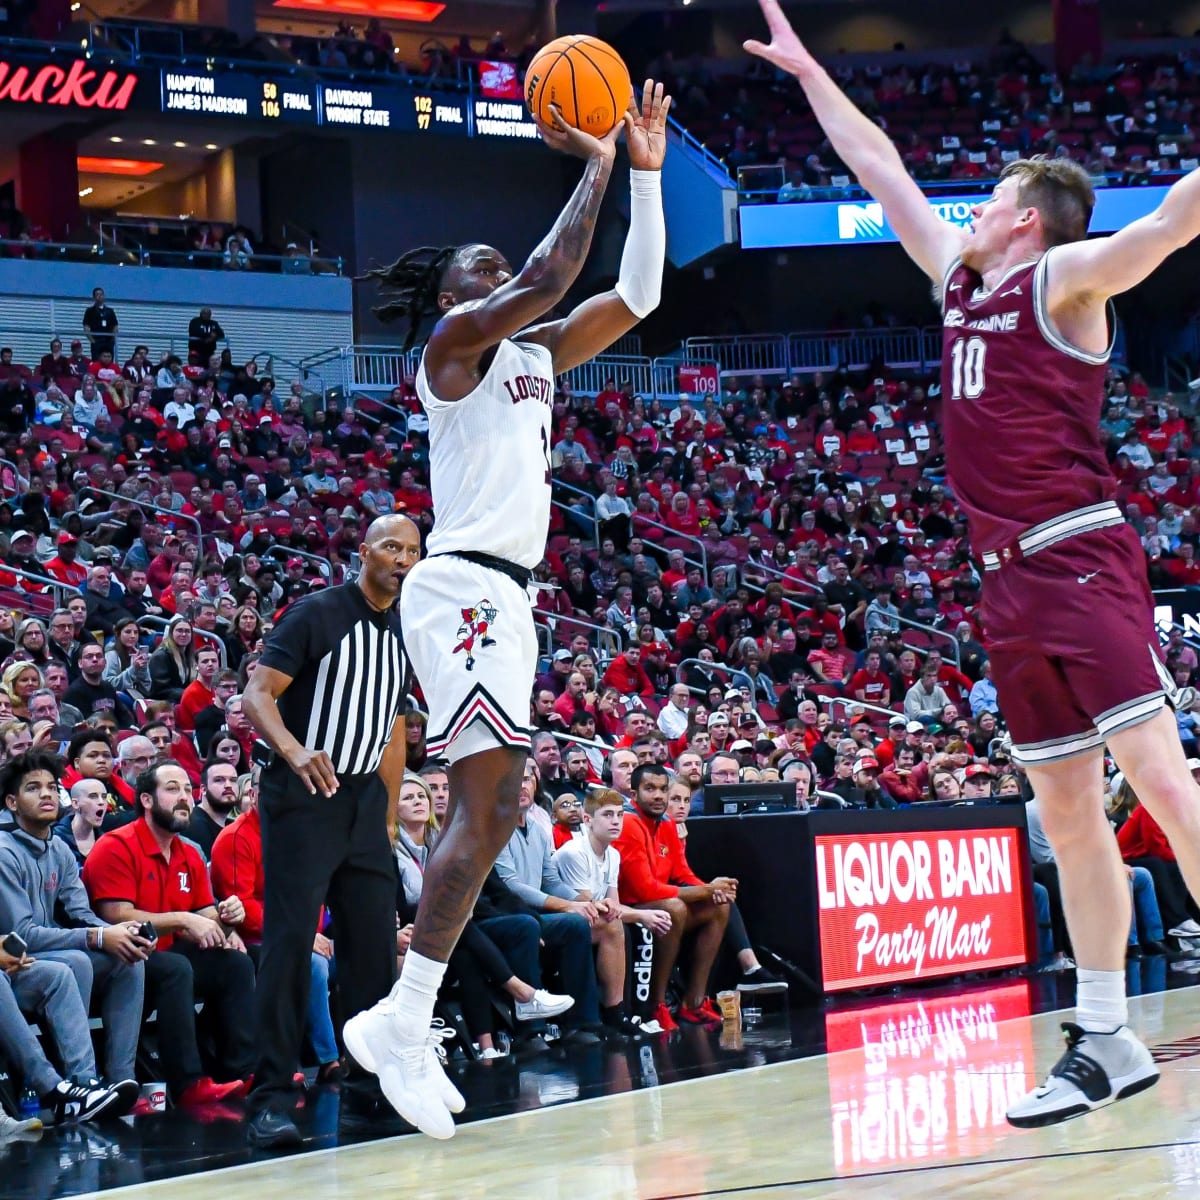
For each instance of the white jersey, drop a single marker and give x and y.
(489, 458)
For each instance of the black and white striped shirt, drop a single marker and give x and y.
(349, 675)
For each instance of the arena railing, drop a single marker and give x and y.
(849, 702)
(933, 632)
(159, 625)
(570, 512)
(761, 183)
(723, 668)
(666, 374)
(858, 349)
(59, 591)
(639, 519)
(588, 378)
(283, 553)
(145, 504)
(804, 585)
(757, 354)
(607, 641)
(211, 260)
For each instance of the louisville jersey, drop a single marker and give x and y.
(1020, 406)
(489, 458)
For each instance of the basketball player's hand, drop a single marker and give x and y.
(561, 136)
(786, 50)
(646, 128)
(315, 769)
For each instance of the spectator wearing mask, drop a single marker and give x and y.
(145, 872)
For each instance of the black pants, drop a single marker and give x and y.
(1047, 875)
(1174, 903)
(319, 850)
(223, 980)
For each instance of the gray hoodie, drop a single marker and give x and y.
(38, 880)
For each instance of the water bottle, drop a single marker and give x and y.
(30, 1104)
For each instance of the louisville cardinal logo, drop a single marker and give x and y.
(475, 624)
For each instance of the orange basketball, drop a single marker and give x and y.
(585, 77)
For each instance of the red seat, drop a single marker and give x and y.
(184, 481)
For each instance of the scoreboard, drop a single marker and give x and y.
(369, 102)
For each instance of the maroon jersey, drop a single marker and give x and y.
(1020, 407)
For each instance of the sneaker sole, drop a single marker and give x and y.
(779, 986)
(101, 1110)
(547, 1015)
(1131, 1087)
(439, 1132)
(356, 1045)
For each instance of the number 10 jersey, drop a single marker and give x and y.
(1020, 406)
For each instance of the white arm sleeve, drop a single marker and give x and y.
(640, 282)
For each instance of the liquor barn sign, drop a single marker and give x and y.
(71, 85)
(907, 906)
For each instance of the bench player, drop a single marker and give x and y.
(1025, 301)
(486, 381)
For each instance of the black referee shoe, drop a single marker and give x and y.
(270, 1129)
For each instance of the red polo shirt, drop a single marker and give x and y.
(237, 869)
(127, 864)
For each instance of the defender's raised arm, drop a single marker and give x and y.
(929, 241)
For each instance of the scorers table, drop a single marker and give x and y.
(857, 899)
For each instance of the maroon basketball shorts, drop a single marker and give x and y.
(1075, 656)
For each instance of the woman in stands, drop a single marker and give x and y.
(224, 747)
(31, 642)
(476, 961)
(19, 681)
(246, 635)
(126, 660)
(171, 664)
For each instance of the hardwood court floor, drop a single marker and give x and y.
(909, 1101)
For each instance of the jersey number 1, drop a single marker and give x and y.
(966, 368)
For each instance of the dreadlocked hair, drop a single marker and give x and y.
(409, 287)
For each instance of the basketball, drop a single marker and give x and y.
(585, 78)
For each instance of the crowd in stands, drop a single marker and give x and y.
(773, 584)
(1132, 122)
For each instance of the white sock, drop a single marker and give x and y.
(414, 993)
(1100, 1003)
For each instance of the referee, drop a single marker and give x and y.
(328, 697)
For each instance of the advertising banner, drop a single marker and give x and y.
(861, 222)
(901, 907)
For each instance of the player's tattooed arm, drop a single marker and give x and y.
(474, 327)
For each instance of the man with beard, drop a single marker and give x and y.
(218, 782)
(145, 872)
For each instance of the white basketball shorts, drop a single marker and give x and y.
(469, 633)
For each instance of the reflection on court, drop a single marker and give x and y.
(909, 1101)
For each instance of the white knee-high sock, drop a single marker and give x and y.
(414, 994)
